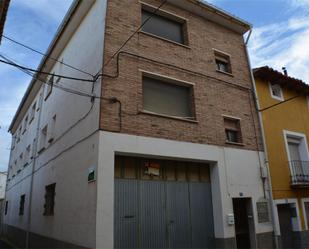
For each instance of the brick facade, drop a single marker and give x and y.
(215, 93)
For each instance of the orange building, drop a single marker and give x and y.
(284, 110)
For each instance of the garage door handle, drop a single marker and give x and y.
(129, 216)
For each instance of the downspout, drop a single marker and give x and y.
(276, 232)
(35, 146)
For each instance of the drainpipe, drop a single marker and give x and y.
(35, 149)
(276, 232)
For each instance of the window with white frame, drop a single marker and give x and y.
(49, 86)
(21, 162)
(19, 134)
(13, 142)
(298, 157)
(52, 129)
(276, 91)
(43, 139)
(33, 151)
(32, 112)
(25, 124)
(27, 155)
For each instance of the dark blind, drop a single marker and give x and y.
(163, 27)
(166, 98)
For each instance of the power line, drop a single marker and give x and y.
(282, 102)
(129, 38)
(42, 72)
(45, 56)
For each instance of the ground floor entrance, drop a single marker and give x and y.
(162, 204)
(290, 238)
(244, 223)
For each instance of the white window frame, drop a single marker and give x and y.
(304, 153)
(276, 215)
(303, 200)
(281, 98)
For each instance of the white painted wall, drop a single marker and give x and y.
(63, 162)
(3, 176)
(232, 171)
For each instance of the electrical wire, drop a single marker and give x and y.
(45, 55)
(130, 37)
(172, 66)
(282, 102)
(42, 72)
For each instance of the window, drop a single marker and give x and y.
(32, 114)
(27, 155)
(49, 87)
(232, 130)
(223, 62)
(43, 138)
(163, 25)
(167, 98)
(41, 97)
(276, 91)
(33, 150)
(25, 124)
(13, 142)
(19, 134)
(49, 199)
(298, 156)
(22, 205)
(6, 208)
(21, 162)
(52, 129)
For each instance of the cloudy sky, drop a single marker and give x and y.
(280, 38)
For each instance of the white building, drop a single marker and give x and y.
(73, 182)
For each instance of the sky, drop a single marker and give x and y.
(280, 38)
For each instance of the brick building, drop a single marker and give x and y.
(162, 149)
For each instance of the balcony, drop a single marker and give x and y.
(299, 173)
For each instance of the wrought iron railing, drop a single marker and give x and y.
(299, 172)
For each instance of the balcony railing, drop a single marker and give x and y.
(299, 173)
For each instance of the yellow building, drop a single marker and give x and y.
(284, 110)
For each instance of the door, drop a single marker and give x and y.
(244, 223)
(296, 164)
(171, 209)
(288, 238)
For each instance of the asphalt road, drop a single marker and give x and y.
(3, 245)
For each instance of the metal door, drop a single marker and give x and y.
(163, 214)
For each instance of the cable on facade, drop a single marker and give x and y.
(172, 66)
(130, 37)
(76, 92)
(45, 73)
(282, 102)
(45, 55)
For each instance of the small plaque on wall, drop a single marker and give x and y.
(262, 211)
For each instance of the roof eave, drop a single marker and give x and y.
(215, 14)
(60, 30)
(4, 6)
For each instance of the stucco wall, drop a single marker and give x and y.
(232, 171)
(291, 116)
(66, 160)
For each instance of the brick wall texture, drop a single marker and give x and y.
(215, 94)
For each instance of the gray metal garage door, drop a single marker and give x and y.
(169, 209)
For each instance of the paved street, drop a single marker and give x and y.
(3, 245)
